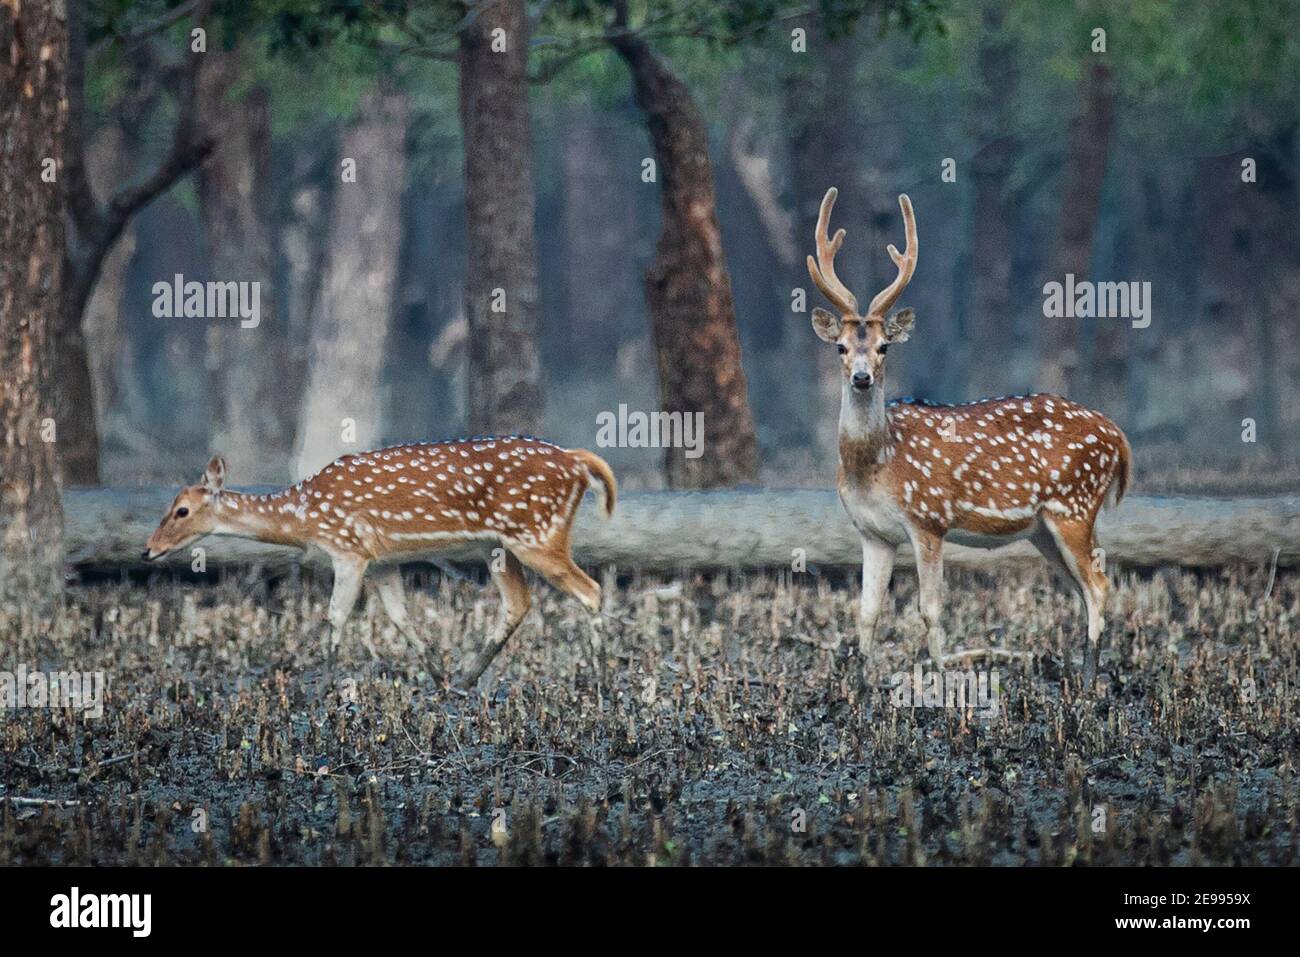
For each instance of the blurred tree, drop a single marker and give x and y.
(1196, 93)
(248, 395)
(989, 328)
(351, 333)
(488, 40)
(1206, 89)
(1087, 152)
(692, 317)
(825, 142)
(96, 226)
(33, 75)
(1240, 66)
(602, 282)
(688, 286)
(501, 291)
(108, 162)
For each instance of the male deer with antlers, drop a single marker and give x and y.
(398, 503)
(983, 473)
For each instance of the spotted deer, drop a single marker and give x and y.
(983, 473)
(381, 507)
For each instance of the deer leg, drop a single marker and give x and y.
(388, 582)
(1044, 541)
(877, 566)
(557, 567)
(929, 572)
(1095, 601)
(348, 573)
(1096, 587)
(515, 602)
(1073, 543)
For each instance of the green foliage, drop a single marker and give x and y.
(707, 43)
(1189, 77)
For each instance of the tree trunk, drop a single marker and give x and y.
(303, 219)
(1087, 152)
(501, 292)
(823, 153)
(75, 409)
(1282, 321)
(599, 231)
(1166, 206)
(989, 329)
(693, 319)
(1275, 299)
(97, 228)
(251, 401)
(32, 115)
(1246, 245)
(351, 332)
(108, 163)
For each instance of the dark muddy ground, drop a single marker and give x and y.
(726, 729)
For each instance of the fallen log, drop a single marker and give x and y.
(107, 528)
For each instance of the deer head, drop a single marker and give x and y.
(862, 340)
(191, 515)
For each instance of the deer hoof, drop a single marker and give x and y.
(1089, 666)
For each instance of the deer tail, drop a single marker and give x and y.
(600, 478)
(1124, 473)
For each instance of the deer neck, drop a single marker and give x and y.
(275, 518)
(865, 443)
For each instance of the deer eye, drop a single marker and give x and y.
(182, 512)
(844, 350)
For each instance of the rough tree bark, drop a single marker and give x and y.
(693, 319)
(33, 112)
(1087, 152)
(501, 291)
(351, 332)
(250, 400)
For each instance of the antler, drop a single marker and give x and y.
(823, 269)
(906, 263)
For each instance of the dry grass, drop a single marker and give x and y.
(723, 714)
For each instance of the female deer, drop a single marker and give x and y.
(397, 503)
(984, 473)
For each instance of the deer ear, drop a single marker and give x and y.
(898, 327)
(214, 476)
(826, 324)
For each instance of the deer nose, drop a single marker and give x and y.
(861, 380)
(145, 554)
